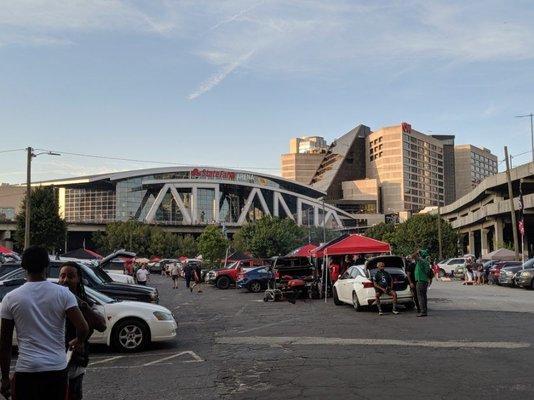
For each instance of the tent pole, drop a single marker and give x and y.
(326, 281)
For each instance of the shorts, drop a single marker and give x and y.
(174, 277)
(388, 291)
(50, 385)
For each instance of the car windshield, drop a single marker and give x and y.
(19, 273)
(101, 298)
(114, 265)
(101, 274)
(231, 266)
(529, 264)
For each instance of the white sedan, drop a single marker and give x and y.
(356, 287)
(131, 325)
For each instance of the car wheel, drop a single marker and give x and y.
(254, 287)
(532, 284)
(130, 335)
(410, 305)
(356, 303)
(223, 282)
(441, 273)
(337, 302)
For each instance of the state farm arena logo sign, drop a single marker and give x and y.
(213, 174)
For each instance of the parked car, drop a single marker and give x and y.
(526, 275)
(507, 275)
(97, 279)
(254, 280)
(448, 266)
(495, 271)
(118, 262)
(356, 287)
(7, 268)
(225, 277)
(131, 325)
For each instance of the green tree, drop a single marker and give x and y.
(47, 228)
(130, 235)
(187, 246)
(315, 234)
(383, 231)
(270, 236)
(418, 232)
(212, 244)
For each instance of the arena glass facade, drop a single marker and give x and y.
(192, 198)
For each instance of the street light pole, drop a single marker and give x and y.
(512, 207)
(531, 115)
(29, 151)
(27, 222)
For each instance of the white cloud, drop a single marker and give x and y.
(217, 78)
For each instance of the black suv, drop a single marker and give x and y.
(97, 279)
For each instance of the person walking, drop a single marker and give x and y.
(188, 274)
(410, 274)
(143, 275)
(197, 276)
(175, 273)
(70, 276)
(423, 279)
(383, 283)
(38, 310)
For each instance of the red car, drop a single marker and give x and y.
(225, 277)
(495, 271)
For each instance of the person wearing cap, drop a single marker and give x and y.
(423, 279)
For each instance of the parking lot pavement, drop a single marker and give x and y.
(477, 343)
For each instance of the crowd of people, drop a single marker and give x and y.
(53, 324)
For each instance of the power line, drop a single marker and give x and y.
(145, 161)
(11, 151)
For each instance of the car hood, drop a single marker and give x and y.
(128, 287)
(138, 305)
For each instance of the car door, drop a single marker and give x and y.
(357, 285)
(345, 286)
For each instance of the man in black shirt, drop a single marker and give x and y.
(384, 285)
(410, 273)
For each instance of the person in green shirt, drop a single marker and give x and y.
(423, 279)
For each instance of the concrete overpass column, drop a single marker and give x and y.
(498, 236)
(471, 248)
(484, 241)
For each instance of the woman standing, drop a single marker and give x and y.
(70, 276)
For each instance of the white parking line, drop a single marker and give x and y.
(105, 360)
(313, 341)
(195, 357)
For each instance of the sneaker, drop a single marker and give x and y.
(421, 315)
(395, 312)
(380, 312)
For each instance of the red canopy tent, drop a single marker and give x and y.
(351, 244)
(303, 251)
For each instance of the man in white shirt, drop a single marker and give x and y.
(142, 275)
(38, 311)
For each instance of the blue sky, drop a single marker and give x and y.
(228, 83)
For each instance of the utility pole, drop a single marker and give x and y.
(439, 234)
(531, 130)
(512, 207)
(27, 221)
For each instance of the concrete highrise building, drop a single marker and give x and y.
(304, 157)
(472, 165)
(449, 169)
(408, 166)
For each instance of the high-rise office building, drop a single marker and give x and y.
(472, 165)
(304, 157)
(409, 166)
(449, 169)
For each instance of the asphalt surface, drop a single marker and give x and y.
(477, 343)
